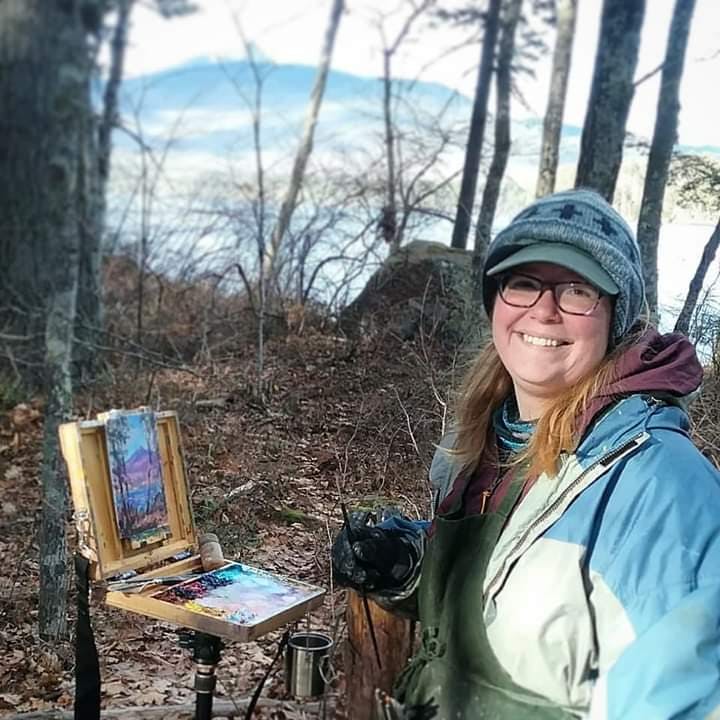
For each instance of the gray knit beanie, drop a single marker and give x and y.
(585, 221)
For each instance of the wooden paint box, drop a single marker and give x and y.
(84, 447)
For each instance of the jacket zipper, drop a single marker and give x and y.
(610, 458)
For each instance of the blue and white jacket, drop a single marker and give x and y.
(603, 592)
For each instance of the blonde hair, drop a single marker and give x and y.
(485, 388)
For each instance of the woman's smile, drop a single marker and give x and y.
(544, 349)
(541, 340)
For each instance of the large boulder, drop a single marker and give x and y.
(422, 287)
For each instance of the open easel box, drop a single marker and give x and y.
(85, 449)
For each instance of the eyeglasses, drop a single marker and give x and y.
(573, 298)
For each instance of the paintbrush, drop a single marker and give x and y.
(137, 584)
(366, 606)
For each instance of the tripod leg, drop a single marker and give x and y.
(206, 657)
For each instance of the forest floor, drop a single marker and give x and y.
(341, 421)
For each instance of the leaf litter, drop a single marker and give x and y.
(263, 474)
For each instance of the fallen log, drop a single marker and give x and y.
(221, 709)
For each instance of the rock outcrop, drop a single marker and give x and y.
(422, 287)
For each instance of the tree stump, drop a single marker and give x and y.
(395, 638)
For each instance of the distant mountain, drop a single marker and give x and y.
(139, 461)
(205, 104)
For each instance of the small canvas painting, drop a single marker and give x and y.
(136, 476)
(238, 594)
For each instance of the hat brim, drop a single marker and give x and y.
(566, 256)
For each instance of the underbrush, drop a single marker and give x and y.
(705, 417)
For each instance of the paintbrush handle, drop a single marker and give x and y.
(346, 520)
(366, 606)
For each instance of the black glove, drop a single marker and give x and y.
(421, 712)
(371, 559)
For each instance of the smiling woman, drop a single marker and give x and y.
(570, 570)
(548, 340)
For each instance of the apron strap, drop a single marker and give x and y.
(513, 493)
(87, 667)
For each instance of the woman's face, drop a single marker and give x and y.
(544, 349)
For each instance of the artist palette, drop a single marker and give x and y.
(235, 601)
(132, 513)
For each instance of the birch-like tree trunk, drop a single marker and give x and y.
(302, 156)
(682, 324)
(45, 66)
(473, 150)
(503, 84)
(64, 30)
(612, 90)
(661, 147)
(552, 124)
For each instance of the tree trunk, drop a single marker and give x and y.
(552, 124)
(682, 324)
(473, 150)
(45, 70)
(36, 39)
(664, 137)
(390, 229)
(491, 192)
(303, 154)
(27, 83)
(62, 206)
(612, 91)
(395, 643)
(90, 313)
(388, 221)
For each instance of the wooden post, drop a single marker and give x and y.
(395, 642)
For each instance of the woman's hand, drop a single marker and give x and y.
(371, 559)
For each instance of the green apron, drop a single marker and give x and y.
(455, 665)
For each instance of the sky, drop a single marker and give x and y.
(291, 31)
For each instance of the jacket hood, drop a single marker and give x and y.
(663, 366)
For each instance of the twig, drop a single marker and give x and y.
(11, 359)
(146, 358)
(409, 425)
(8, 337)
(415, 445)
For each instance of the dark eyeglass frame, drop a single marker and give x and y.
(553, 286)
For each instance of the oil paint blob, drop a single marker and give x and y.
(238, 594)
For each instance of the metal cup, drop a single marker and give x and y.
(307, 663)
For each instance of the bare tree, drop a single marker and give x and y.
(90, 302)
(491, 192)
(682, 324)
(697, 180)
(661, 147)
(560, 73)
(303, 154)
(611, 93)
(473, 150)
(389, 225)
(45, 166)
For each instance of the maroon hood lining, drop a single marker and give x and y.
(656, 364)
